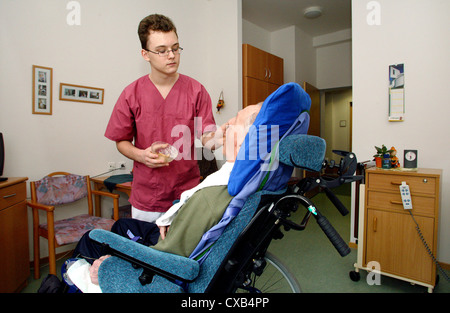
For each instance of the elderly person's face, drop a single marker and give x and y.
(237, 129)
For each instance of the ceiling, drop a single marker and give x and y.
(273, 15)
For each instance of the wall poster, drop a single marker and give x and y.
(396, 93)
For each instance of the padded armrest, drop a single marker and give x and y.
(161, 263)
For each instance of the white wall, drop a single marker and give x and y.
(334, 59)
(413, 32)
(104, 52)
(282, 44)
(306, 58)
(223, 51)
(296, 48)
(255, 36)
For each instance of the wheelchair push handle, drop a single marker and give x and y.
(334, 237)
(335, 200)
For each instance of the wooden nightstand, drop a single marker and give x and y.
(388, 233)
(15, 260)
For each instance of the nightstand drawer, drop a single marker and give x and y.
(12, 194)
(393, 202)
(417, 184)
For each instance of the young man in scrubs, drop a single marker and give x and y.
(161, 106)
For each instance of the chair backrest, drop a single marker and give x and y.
(59, 188)
(222, 246)
(283, 113)
(302, 151)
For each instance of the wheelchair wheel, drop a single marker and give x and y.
(275, 278)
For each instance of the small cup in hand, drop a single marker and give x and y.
(166, 152)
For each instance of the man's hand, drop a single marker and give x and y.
(152, 159)
(146, 156)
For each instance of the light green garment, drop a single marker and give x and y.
(203, 210)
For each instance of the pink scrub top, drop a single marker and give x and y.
(142, 114)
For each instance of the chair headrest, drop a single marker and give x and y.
(303, 151)
(280, 109)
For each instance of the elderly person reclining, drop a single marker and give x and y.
(193, 215)
(202, 207)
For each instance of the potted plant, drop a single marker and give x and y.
(381, 152)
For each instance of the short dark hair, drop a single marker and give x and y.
(154, 22)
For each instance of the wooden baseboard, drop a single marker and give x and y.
(44, 261)
(353, 245)
(445, 266)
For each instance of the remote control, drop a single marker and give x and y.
(406, 196)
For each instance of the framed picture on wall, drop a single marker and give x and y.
(42, 90)
(68, 92)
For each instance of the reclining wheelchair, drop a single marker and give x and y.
(238, 261)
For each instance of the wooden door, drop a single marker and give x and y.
(393, 242)
(255, 61)
(314, 112)
(255, 91)
(263, 73)
(275, 68)
(271, 88)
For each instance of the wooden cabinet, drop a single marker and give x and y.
(14, 253)
(390, 236)
(263, 73)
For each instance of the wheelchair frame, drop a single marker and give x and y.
(248, 255)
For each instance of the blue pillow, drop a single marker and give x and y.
(281, 108)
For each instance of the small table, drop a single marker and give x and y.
(99, 185)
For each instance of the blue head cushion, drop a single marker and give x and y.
(278, 112)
